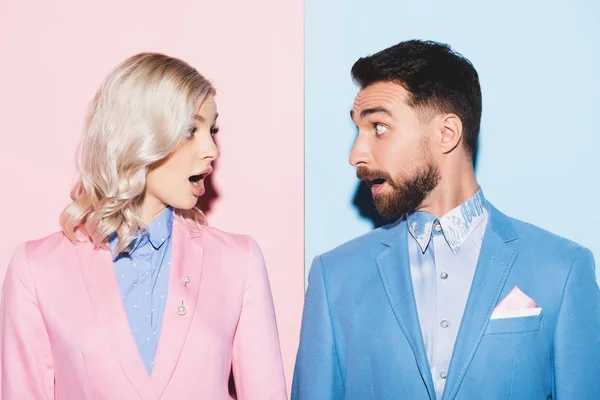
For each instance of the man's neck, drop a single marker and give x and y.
(453, 189)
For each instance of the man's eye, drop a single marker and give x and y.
(380, 129)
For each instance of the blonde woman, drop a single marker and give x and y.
(136, 298)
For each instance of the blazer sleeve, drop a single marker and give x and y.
(577, 334)
(317, 374)
(257, 364)
(26, 363)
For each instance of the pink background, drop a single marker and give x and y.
(53, 56)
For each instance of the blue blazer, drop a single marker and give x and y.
(361, 337)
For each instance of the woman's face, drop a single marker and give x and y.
(178, 181)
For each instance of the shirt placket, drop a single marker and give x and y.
(425, 297)
(144, 266)
(444, 323)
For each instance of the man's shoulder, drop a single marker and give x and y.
(545, 246)
(361, 248)
(543, 240)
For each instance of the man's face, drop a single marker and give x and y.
(392, 152)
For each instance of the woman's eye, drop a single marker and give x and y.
(214, 130)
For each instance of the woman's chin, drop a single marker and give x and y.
(186, 205)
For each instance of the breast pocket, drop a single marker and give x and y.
(514, 325)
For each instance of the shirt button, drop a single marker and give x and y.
(444, 323)
(181, 310)
(444, 275)
(443, 375)
(437, 227)
(187, 279)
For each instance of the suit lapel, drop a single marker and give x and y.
(101, 283)
(394, 268)
(186, 260)
(493, 267)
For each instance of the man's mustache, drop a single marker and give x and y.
(365, 174)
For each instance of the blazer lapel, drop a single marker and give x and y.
(101, 283)
(186, 261)
(493, 267)
(394, 268)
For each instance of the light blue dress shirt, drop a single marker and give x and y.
(143, 277)
(443, 256)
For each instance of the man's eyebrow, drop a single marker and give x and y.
(369, 111)
(375, 110)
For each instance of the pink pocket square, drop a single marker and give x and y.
(515, 300)
(515, 304)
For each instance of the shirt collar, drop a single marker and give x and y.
(456, 225)
(157, 232)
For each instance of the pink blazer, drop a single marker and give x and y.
(65, 334)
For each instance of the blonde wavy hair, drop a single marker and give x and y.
(140, 115)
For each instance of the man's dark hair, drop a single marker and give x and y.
(436, 77)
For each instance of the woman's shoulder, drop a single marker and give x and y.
(53, 249)
(46, 248)
(224, 237)
(211, 236)
(52, 243)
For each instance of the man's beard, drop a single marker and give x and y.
(408, 192)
